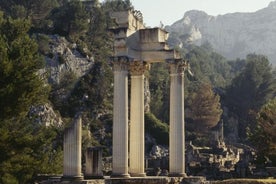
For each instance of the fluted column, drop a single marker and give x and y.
(72, 151)
(137, 137)
(177, 134)
(93, 163)
(120, 119)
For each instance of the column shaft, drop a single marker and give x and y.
(72, 150)
(177, 135)
(137, 142)
(137, 137)
(120, 121)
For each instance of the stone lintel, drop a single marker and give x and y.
(159, 55)
(154, 46)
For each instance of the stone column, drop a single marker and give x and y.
(93, 163)
(177, 134)
(120, 119)
(137, 138)
(72, 151)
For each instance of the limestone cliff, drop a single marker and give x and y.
(64, 57)
(233, 35)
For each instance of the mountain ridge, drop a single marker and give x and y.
(233, 35)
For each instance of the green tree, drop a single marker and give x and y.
(208, 66)
(204, 107)
(251, 89)
(71, 19)
(21, 86)
(263, 135)
(96, 85)
(156, 128)
(159, 90)
(266, 119)
(35, 10)
(27, 149)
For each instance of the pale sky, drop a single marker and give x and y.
(169, 11)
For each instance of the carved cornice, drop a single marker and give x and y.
(138, 67)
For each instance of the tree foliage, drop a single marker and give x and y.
(253, 87)
(35, 10)
(263, 136)
(21, 85)
(157, 129)
(159, 90)
(27, 149)
(208, 66)
(70, 19)
(204, 107)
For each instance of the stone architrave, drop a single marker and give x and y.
(177, 134)
(120, 118)
(72, 151)
(137, 137)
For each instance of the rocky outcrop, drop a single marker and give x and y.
(64, 57)
(233, 35)
(45, 115)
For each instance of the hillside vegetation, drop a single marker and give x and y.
(30, 30)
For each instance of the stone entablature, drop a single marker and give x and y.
(133, 40)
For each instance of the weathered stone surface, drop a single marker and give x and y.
(65, 58)
(45, 115)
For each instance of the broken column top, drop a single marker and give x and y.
(132, 40)
(131, 19)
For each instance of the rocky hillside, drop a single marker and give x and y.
(233, 35)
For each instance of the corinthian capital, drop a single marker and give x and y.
(120, 64)
(177, 67)
(138, 67)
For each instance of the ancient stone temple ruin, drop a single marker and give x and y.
(135, 48)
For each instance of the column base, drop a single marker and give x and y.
(138, 174)
(93, 177)
(116, 175)
(72, 178)
(177, 175)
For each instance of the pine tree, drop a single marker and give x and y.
(204, 107)
(21, 86)
(251, 89)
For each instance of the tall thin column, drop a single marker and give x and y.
(120, 120)
(137, 137)
(177, 134)
(72, 151)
